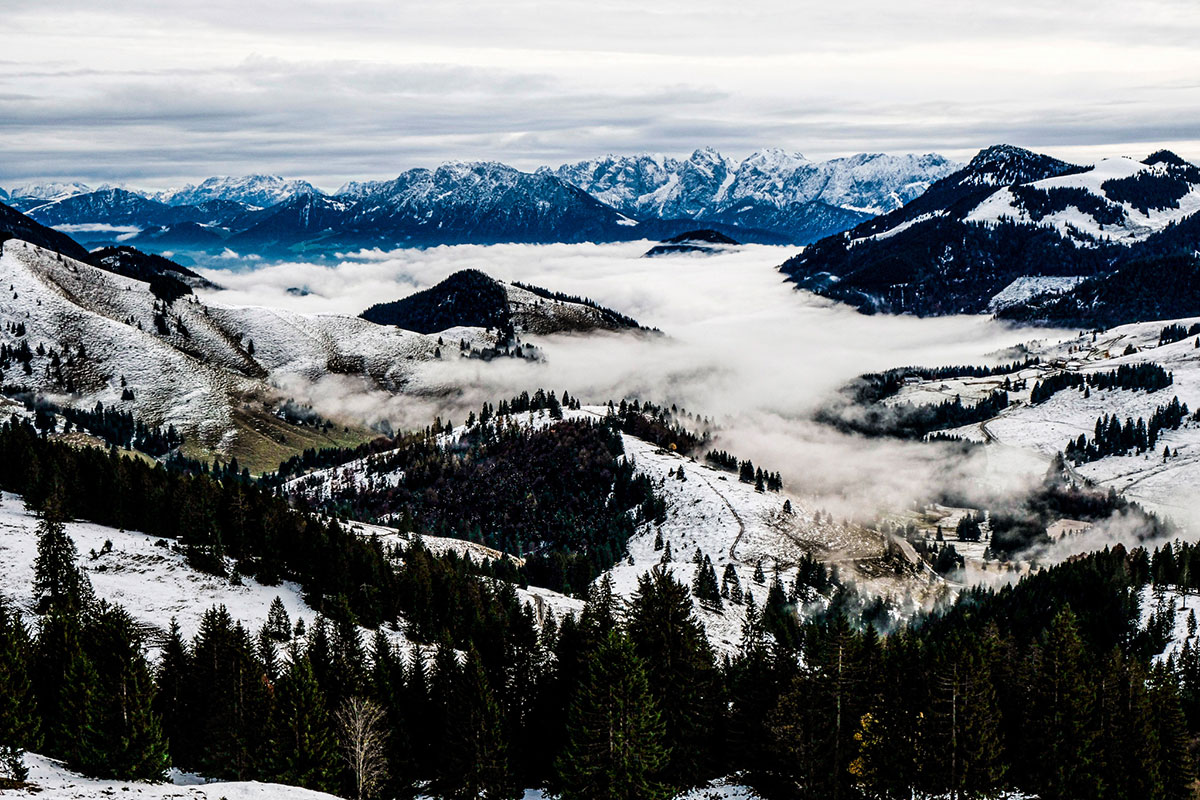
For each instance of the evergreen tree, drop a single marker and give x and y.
(171, 700)
(66, 686)
(474, 760)
(278, 625)
(230, 685)
(614, 748)
(1061, 740)
(57, 580)
(131, 743)
(1175, 762)
(671, 642)
(19, 723)
(303, 741)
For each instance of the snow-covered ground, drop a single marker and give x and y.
(1134, 226)
(50, 780)
(709, 510)
(152, 581)
(1182, 607)
(1030, 286)
(1039, 431)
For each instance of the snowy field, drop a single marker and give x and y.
(50, 780)
(1039, 431)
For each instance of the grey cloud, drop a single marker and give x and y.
(166, 92)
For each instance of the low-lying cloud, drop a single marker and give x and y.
(740, 346)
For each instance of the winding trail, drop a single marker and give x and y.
(738, 517)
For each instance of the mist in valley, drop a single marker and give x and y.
(739, 347)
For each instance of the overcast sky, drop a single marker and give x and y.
(158, 93)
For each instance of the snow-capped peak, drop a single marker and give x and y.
(259, 191)
(49, 191)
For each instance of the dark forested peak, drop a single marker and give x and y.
(1004, 164)
(1165, 157)
(472, 299)
(468, 298)
(15, 225)
(705, 240)
(133, 263)
(703, 235)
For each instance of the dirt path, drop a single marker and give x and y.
(738, 517)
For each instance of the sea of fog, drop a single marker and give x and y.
(741, 346)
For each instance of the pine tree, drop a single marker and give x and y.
(230, 685)
(57, 580)
(671, 642)
(19, 723)
(1175, 762)
(278, 624)
(303, 743)
(66, 686)
(614, 748)
(131, 744)
(171, 699)
(474, 761)
(1062, 733)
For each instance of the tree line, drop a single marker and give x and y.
(1147, 375)
(1114, 438)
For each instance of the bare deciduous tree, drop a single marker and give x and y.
(363, 739)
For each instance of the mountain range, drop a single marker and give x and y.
(770, 197)
(1027, 237)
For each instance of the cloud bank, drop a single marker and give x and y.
(741, 348)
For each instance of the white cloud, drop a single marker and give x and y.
(741, 346)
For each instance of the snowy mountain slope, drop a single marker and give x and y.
(1098, 209)
(30, 194)
(208, 370)
(256, 191)
(1027, 287)
(113, 207)
(731, 523)
(1045, 428)
(1011, 214)
(710, 510)
(772, 196)
(482, 202)
(152, 581)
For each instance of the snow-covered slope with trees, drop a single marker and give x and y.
(211, 371)
(1046, 427)
(754, 535)
(50, 780)
(1012, 215)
